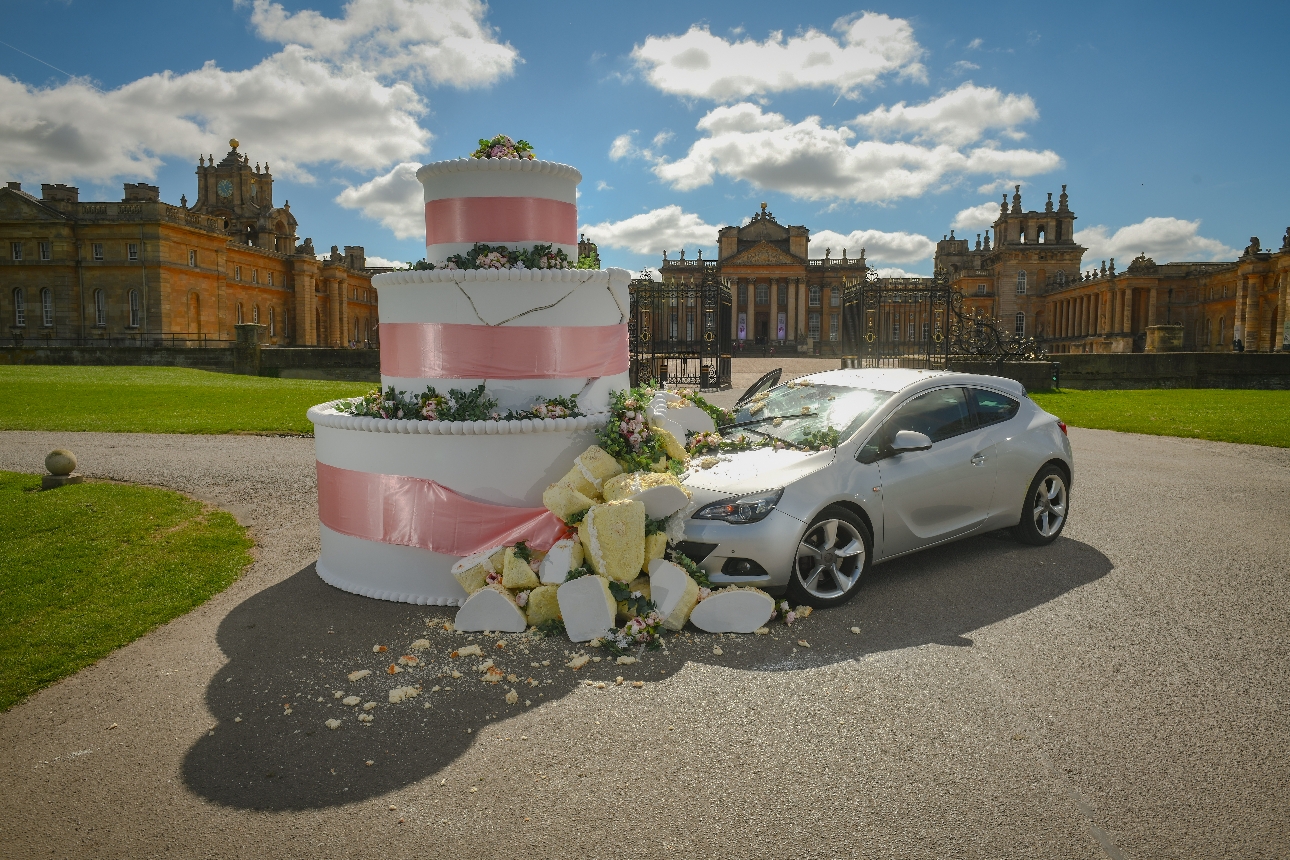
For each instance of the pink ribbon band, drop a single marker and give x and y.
(501, 219)
(422, 513)
(461, 351)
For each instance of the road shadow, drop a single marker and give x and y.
(294, 644)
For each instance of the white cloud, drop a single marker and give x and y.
(699, 64)
(441, 41)
(975, 43)
(897, 272)
(879, 246)
(623, 147)
(669, 228)
(329, 96)
(375, 262)
(1163, 239)
(394, 199)
(816, 162)
(602, 185)
(959, 117)
(995, 186)
(290, 110)
(962, 67)
(976, 217)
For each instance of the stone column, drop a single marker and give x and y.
(802, 311)
(1152, 295)
(1128, 310)
(772, 329)
(334, 333)
(734, 310)
(792, 309)
(1278, 336)
(1253, 321)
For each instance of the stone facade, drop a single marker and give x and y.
(143, 272)
(780, 295)
(1032, 280)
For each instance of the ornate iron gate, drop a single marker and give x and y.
(920, 323)
(680, 333)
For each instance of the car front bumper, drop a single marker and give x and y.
(771, 543)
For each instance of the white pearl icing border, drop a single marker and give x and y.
(326, 415)
(458, 276)
(526, 165)
(381, 594)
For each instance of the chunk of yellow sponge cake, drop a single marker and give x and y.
(671, 445)
(674, 592)
(472, 571)
(564, 501)
(660, 492)
(655, 547)
(517, 573)
(543, 605)
(596, 466)
(641, 584)
(613, 539)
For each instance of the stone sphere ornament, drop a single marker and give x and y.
(60, 462)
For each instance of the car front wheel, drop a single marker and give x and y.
(1043, 516)
(831, 559)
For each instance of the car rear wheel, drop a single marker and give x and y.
(831, 559)
(1043, 516)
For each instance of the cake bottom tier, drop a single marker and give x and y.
(386, 571)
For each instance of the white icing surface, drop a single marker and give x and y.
(488, 609)
(519, 394)
(741, 611)
(512, 171)
(558, 562)
(661, 501)
(387, 571)
(492, 469)
(587, 608)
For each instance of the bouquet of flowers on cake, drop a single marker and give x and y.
(617, 577)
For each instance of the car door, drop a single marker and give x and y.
(940, 493)
(996, 415)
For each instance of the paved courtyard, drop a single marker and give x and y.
(1120, 693)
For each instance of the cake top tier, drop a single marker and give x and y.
(499, 165)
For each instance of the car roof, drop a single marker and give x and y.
(896, 379)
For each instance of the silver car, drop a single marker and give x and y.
(921, 458)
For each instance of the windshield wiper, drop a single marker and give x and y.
(764, 419)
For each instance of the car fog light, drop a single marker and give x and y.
(748, 509)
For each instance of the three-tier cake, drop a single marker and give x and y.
(401, 499)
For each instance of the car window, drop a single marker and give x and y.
(940, 414)
(992, 407)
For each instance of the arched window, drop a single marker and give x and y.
(255, 314)
(814, 296)
(1041, 234)
(1021, 282)
(240, 320)
(19, 307)
(134, 308)
(47, 306)
(1222, 330)
(1021, 325)
(273, 330)
(100, 308)
(1061, 278)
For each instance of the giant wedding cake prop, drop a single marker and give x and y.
(401, 498)
(506, 465)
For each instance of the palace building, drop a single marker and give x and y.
(1030, 278)
(142, 272)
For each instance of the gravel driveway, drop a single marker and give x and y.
(1120, 693)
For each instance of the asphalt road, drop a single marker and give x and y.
(1119, 693)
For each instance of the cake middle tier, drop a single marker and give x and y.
(523, 334)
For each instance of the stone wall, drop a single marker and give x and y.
(1176, 370)
(356, 365)
(1035, 375)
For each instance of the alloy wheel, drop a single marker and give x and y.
(1049, 505)
(830, 558)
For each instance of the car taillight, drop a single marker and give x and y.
(1062, 424)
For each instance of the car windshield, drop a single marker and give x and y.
(802, 412)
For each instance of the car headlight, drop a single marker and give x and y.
(747, 509)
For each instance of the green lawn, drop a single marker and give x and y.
(1225, 415)
(159, 400)
(88, 568)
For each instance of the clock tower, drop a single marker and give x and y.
(242, 196)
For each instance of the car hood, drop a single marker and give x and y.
(760, 469)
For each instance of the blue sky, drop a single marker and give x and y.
(880, 126)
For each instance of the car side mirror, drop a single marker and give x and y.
(910, 440)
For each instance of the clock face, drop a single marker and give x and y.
(224, 188)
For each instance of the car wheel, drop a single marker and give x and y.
(831, 559)
(1043, 515)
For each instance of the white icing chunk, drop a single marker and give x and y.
(489, 609)
(661, 501)
(587, 607)
(559, 561)
(740, 610)
(673, 592)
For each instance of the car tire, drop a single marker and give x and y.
(1045, 509)
(832, 558)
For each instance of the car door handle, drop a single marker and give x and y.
(978, 459)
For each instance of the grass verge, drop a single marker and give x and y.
(1220, 414)
(88, 568)
(159, 400)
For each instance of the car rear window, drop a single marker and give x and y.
(992, 407)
